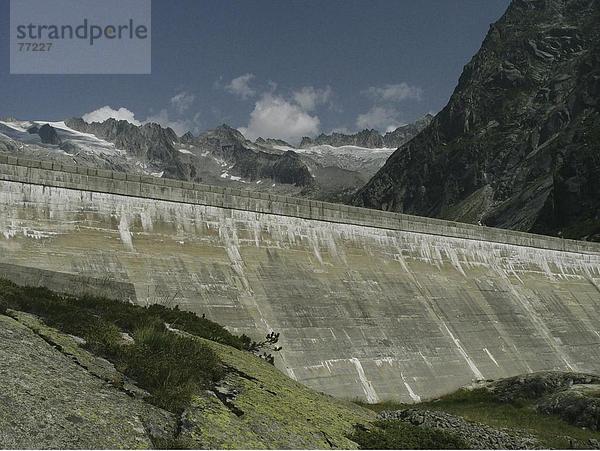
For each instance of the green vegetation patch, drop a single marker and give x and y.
(227, 397)
(278, 412)
(172, 368)
(395, 434)
(480, 405)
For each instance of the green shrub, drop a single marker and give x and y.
(128, 317)
(169, 366)
(395, 434)
(199, 326)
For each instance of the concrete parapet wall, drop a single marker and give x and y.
(369, 304)
(104, 181)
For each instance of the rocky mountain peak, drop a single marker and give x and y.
(224, 133)
(514, 147)
(150, 141)
(187, 138)
(272, 142)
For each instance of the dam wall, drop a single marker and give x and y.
(370, 305)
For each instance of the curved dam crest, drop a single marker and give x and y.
(370, 305)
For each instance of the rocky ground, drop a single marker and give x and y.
(50, 399)
(574, 397)
(476, 435)
(541, 410)
(256, 406)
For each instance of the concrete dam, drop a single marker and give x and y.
(370, 305)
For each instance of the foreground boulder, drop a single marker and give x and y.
(48, 400)
(574, 397)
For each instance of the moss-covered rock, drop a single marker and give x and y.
(49, 400)
(57, 394)
(59, 390)
(257, 406)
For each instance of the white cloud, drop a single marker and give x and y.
(179, 126)
(173, 116)
(380, 118)
(240, 86)
(395, 92)
(275, 117)
(383, 115)
(308, 98)
(106, 112)
(182, 102)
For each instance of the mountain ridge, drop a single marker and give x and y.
(221, 156)
(370, 138)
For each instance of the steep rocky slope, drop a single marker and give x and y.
(518, 145)
(58, 392)
(251, 162)
(162, 148)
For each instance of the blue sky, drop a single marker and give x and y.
(283, 68)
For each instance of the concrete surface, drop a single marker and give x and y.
(369, 304)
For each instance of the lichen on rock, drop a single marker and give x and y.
(48, 400)
(264, 408)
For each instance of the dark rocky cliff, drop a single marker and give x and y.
(518, 145)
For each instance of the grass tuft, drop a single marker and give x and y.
(172, 367)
